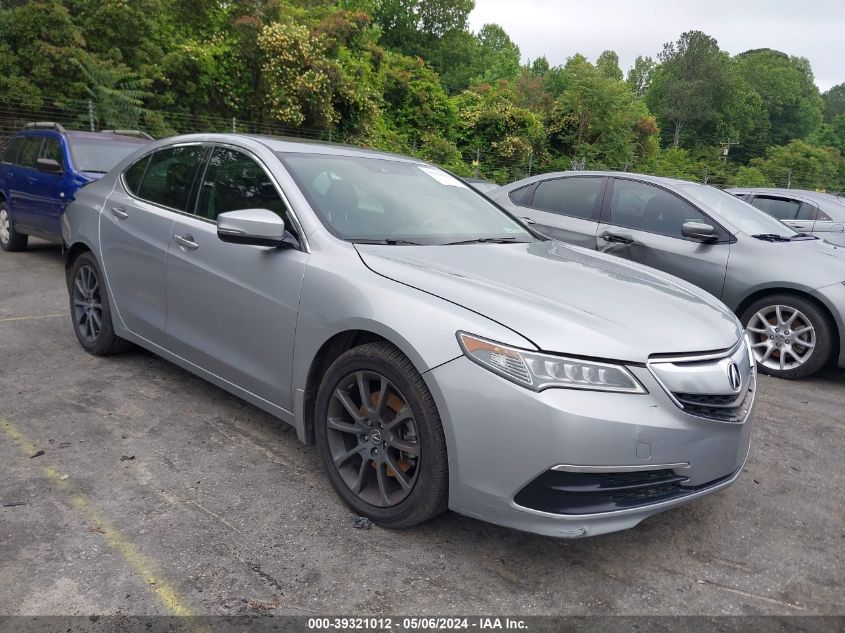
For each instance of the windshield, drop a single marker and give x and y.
(100, 156)
(742, 215)
(384, 200)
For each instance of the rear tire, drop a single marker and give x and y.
(791, 337)
(90, 309)
(380, 437)
(10, 239)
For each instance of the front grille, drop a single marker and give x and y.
(705, 400)
(561, 492)
(733, 408)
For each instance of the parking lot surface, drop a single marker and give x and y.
(157, 493)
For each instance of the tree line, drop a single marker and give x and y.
(409, 76)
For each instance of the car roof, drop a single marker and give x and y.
(308, 146)
(794, 193)
(80, 134)
(658, 180)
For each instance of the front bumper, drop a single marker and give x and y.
(501, 437)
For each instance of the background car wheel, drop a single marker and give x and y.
(380, 437)
(10, 240)
(89, 308)
(791, 337)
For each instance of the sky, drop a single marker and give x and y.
(814, 29)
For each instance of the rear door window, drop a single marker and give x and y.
(12, 151)
(169, 176)
(573, 196)
(780, 208)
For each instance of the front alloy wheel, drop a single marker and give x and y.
(380, 436)
(790, 336)
(373, 439)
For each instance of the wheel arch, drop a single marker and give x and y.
(328, 352)
(73, 252)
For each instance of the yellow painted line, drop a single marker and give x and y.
(33, 318)
(114, 537)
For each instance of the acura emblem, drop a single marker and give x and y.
(733, 377)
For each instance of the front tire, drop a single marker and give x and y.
(791, 337)
(90, 309)
(10, 239)
(380, 437)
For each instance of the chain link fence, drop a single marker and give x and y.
(480, 162)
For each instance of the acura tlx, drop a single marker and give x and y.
(438, 351)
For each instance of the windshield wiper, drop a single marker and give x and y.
(388, 241)
(804, 236)
(486, 240)
(771, 237)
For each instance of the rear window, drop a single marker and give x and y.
(98, 156)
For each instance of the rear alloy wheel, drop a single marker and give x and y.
(790, 336)
(89, 307)
(10, 240)
(380, 437)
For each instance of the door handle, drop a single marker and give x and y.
(616, 239)
(186, 241)
(119, 213)
(527, 220)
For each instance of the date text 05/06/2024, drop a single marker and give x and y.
(480, 623)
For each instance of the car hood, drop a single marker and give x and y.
(566, 299)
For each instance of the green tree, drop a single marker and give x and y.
(504, 136)
(689, 86)
(37, 39)
(639, 76)
(608, 65)
(834, 102)
(802, 166)
(750, 177)
(597, 117)
(499, 55)
(116, 94)
(788, 92)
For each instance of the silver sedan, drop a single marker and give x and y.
(814, 212)
(439, 352)
(787, 288)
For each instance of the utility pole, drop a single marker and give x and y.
(726, 148)
(789, 178)
(234, 126)
(91, 114)
(530, 160)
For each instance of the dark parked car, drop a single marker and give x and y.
(813, 212)
(787, 288)
(43, 167)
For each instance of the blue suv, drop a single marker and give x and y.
(42, 168)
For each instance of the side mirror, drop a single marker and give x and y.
(259, 227)
(699, 231)
(49, 166)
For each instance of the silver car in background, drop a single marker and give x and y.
(814, 212)
(788, 289)
(438, 352)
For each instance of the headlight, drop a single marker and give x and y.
(543, 371)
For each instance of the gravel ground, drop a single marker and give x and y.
(158, 493)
